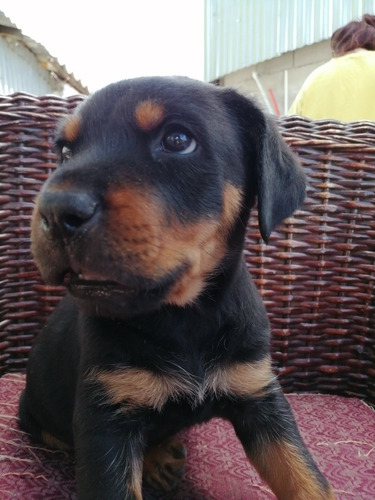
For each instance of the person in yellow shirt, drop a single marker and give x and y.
(344, 87)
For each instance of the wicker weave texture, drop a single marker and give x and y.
(27, 128)
(316, 275)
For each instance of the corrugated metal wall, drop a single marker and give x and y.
(239, 33)
(19, 70)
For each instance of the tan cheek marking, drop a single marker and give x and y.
(155, 246)
(148, 115)
(152, 245)
(232, 202)
(247, 379)
(210, 248)
(135, 229)
(72, 127)
(134, 387)
(201, 249)
(283, 467)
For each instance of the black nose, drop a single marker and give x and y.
(66, 212)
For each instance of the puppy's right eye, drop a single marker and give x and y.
(178, 141)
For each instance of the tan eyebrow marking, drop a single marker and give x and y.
(149, 114)
(72, 127)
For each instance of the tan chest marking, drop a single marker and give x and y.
(242, 379)
(139, 388)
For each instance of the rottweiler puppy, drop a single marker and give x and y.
(162, 327)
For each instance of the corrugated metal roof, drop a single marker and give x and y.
(44, 59)
(19, 71)
(240, 33)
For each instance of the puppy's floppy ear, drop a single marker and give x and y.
(278, 177)
(281, 181)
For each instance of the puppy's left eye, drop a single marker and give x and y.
(178, 141)
(66, 153)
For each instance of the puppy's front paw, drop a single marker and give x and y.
(164, 464)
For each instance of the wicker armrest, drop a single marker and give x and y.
(316, 274)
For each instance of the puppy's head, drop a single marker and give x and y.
(152, 193)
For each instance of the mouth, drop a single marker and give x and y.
(107, 297)
(83, 287)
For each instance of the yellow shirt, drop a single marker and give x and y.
(342, 89)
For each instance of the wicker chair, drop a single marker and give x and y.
(317, 279)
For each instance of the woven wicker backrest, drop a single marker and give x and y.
(316, 274)
(27, 129)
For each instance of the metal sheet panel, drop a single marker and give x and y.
(240, 33)
(19, 70)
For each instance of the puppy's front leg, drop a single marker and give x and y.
(269, 434)
(109, 448)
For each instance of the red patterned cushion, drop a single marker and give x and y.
(339, 432)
